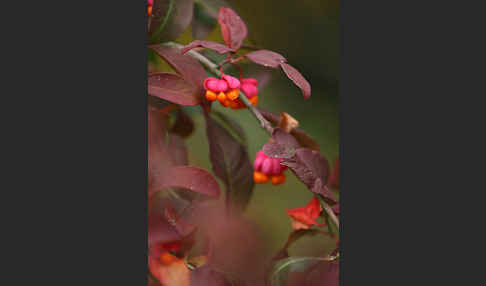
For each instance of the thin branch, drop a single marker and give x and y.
(263, 122)
(331, 214)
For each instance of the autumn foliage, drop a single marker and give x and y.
(194, 237)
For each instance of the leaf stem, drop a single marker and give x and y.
(328, 210)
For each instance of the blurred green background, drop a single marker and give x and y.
(306, 32)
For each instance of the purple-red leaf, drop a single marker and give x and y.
(222, 49)
(189, 68)
(231, 163)
(158, 159)
(160, 230)
(191, 178)
(266, 58)
(336, 209)
(313, 170)
(283, 145)
(177, 150)
(232, 27)
(274, 150)
(173, 88)
(206, 276)
(284, 138)
(170, 19)
(298, 79)
(301, 137)
(323, 274)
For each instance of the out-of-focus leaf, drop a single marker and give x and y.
(313, 170)
(206, 276)
(213, 6)
(173, 88)
(266, 58)
(221, 49)
(189, 68)
(158, 103)
(231, 164)
(323, 274)
(169, 19)
(177, 150)
(203, 22)
(298, 79)
(303, 139)
(183, 126)
(158, 159)
(298, 234)
(232, 27)
(286, 266)
(160, 230)
(334, 179)
(262, 75)
(230, 125)
(188, 177)
(293, 237)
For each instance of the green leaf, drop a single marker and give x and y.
(173, 88)
(284, 267)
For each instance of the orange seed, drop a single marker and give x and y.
(211, 96)
(259, 177)
(278, 179)
(232, 94)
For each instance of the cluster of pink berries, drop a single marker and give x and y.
(267, 168)
(226, 90)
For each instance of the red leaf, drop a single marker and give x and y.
(298, 79)
(266, 58)
(189, 68)
(192, 178)
(173, 88)
(232, 27)
(208, 45)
